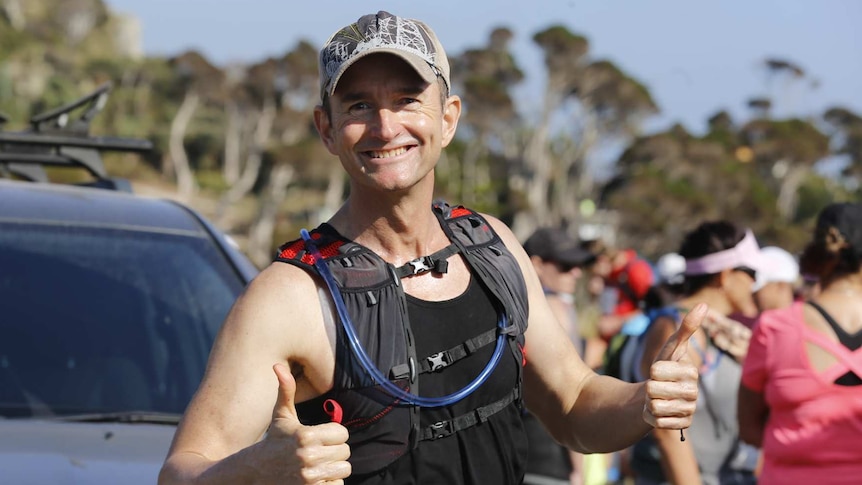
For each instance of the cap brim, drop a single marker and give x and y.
(417, 63)
(575, 257)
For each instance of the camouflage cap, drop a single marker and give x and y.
(382, 32)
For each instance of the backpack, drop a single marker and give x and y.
(625, 348)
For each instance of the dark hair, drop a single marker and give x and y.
(661, 295)
(836, 247)
(708, 238)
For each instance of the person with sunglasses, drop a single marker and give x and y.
(721, 261)
(559, 261)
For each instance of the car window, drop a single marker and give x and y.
(98, 319)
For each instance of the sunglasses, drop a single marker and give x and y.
(565, 268)
(745, 269)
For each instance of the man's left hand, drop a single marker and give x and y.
(671, 391)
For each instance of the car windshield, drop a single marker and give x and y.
(106, 320)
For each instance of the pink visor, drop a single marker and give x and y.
(745, 254)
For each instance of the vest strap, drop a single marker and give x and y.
(444, 358)
(441, 429)
(435, 262)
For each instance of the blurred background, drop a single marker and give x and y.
(629, 121)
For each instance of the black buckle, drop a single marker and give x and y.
(438, 361)
(441, 429)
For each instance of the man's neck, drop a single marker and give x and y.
(399, 229)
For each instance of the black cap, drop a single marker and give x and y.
(552, 244)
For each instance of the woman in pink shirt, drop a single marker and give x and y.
(801, 393)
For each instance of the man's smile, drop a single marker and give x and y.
(382, 154)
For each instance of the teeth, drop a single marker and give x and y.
(388, 153)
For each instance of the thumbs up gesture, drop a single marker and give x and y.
(304, 454)
(671, 391)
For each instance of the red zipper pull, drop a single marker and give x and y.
(333, 409)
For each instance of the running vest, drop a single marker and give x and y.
(381, 427)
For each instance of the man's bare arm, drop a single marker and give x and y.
(241, 425)
(588, 412)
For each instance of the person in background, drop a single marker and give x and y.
(559, 262)
(627, 278)
(721, 261)
(777, 282)
(396, 342)
(800, 398)
(589, 309)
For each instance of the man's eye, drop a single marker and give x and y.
(409, 100)
(359, 106)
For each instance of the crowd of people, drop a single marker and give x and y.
(406, 340)
(778, 359)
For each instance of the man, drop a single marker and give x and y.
(415, 391)
(559, 262)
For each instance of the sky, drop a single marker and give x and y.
(696, 57)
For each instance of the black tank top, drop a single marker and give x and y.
(493, 452)
(852, 342)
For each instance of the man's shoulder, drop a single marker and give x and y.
(281, 282)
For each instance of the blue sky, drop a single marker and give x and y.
(696, 57)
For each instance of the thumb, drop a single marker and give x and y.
(285, 404)
(677, 345)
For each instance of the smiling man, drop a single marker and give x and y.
(398, 341)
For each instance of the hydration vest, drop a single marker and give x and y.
(382, 428)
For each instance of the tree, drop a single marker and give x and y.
(198, 81)
(847, 131)
(595, 102)
(784, 153)
(485, 76)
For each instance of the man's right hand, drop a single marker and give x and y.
(303, 454)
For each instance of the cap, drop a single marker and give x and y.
(382, 32)
(556, 245)
(670, 269)
(777, 266)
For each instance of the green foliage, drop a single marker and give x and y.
(666, 181)
(558, 39)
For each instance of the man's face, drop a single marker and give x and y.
(387, 125)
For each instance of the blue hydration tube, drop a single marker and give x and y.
(368, 365)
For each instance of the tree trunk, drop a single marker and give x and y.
(334, 194)
(260, 241)
(788, 196)
(254, 160)
(539, 163)
(470, 169)
(232, 138)
(185, 178)
(15, 14)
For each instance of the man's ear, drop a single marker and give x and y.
(451, 115)
(324, 128)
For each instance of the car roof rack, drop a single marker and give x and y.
(56, 138)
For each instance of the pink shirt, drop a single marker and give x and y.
(814, 430)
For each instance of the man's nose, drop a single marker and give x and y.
(385, 124)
